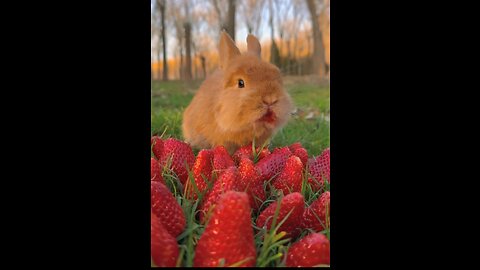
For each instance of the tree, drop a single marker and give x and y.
(188, 43)
(225, 22)
(161, 5)
(231, 19)
(325, 28)
(176, 20)
(274, 51)
(204, 69)
(318, 59)
(251, 10)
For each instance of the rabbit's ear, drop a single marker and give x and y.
(253, 46)
(228, 50)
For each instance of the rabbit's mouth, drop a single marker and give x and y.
(269, 117)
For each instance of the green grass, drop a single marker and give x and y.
(169, 99)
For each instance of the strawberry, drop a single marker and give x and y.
(273, 164)
(247, 151)
(252, 181)
(244, 151)
(202, 168)
(228, 180)
(221, 159)
(157, 146)
(181, 155)
(295, 146)
(164, 248)
(319, 169)
(317, 215)
(167, 208)
(155, 171)
(302, 154)
(228, 235)
(311, 250)
(293, 225)
(290, 179)
(264, 153)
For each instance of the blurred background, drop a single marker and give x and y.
(294, 34)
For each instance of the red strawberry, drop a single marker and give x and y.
(228, 235)
(164, 248)
(181, 155)
(290, 179)
(221, 159)
(311, 250)
(157, 146)
(293, 225)
(273, 164)
(228, 180)
(295, 146)
(302, 154)
(264, 153)
(155, 171)
(167, 208)
(319, 169)
(244, 151)
(202, 168)
(252, 181)
(317, 215)
(247, 151)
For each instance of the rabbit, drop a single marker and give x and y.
(243, 100)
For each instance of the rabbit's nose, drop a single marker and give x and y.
(269, 102)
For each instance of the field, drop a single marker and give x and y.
(310, 125)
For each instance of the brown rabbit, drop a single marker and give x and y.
(241, 101)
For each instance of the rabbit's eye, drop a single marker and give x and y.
(241, 83)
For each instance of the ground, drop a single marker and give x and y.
(310, 125)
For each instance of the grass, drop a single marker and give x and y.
(310, 125)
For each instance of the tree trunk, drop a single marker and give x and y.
(325, 28)
(164, 40)
(202, 59)
(274, 52)
(318, 60)
(219, 14)
(159, 71)
(188, 57)
(231, 19)
(181, 69)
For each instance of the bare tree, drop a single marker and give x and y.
(318, 63)
(231, 18)
(161, 5)
(188, 43)
(251, 10)
(225, 22)
(204, 69)
(274, 52)
(152, 35)
(188, 52)
(220, 10)
(177, 18)
(324, 19)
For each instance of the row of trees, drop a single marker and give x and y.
(296, 34)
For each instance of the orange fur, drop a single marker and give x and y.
(221, 113)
